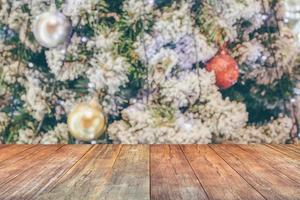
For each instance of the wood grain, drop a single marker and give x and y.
(296, 145)
(137, 172)
(260, 174)
(85, 179)
(294, 148)
(285, 165)
(219, 180)
(43, 173)
(284, 150)
(130, 175)
(8, 151)
(19, 163)
(171, 175)
(106, 172)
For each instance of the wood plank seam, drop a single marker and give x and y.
(67, 186)
(43, 174)
(282, 152)
(273, 148)
(201, 184)
(27, 168)
(292, 148)
(250, 165)
(259, 157)
(237, 172)
(74, 166)
(172, 177)
(219, 179)
(129, 175)
(264, 153)
(69, 169)
(117, 157)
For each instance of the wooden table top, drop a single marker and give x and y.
(140, 172)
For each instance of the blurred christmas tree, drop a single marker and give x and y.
(147, 71)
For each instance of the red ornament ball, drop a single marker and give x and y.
(225, 68)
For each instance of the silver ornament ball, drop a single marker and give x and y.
(51, 29)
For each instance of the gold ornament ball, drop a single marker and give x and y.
(87, 122)
(51, 29)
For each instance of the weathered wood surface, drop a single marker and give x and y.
(262, 175)
(63, 172)
(217, 178)
(171, 175)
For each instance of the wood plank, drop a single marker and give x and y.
(171, 175)
(218, 179)
(3, 146)
(130, 175)
(286, 151)
(260, 174)
(18, 163)
(106, 173)
(43, 173)
(9, 150)
(122, 172)
(86, 179)
(294, 147)
(286, 147)
(284, 164)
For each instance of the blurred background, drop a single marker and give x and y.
(149, 71)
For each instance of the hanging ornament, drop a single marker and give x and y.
(87, 121)
(52, 28)
(225, 68)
